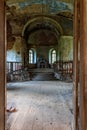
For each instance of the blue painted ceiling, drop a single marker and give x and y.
(54, 6)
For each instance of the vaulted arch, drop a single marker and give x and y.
(42, 22)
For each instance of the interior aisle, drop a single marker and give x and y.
(40, 105)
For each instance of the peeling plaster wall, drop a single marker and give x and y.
(65, 48)
(11, 55)
(15, 53)
(67, 26)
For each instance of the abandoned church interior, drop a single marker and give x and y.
(43, 52)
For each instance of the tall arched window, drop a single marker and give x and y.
(53, 56)
(31, 56)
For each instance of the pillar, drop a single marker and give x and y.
(83, 65)
(24, 52)
(2, 65)
(22, 49)
(26, 57)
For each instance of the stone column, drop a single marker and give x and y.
(26, 57)
(2, 65)
(83, 65)
(24, 52)
(22, 49)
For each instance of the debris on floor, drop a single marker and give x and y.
(11, 108)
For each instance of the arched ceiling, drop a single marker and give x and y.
(42, 38)
(42, 22)
(19, 12)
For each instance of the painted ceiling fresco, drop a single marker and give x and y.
(19, 12)
(48, 6)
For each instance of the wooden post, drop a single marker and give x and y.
(76, 76)
(2, 65)
(83, 65)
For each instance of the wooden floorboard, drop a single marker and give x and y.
(40, 105)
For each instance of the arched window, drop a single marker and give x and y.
(53, 56)
(31, 56)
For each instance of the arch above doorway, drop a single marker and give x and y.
(42, 22)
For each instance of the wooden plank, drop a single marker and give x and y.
(19, 120)
(40, 106)
(29, 119)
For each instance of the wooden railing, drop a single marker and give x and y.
(13, 66)
(63, 69)
(17, 72)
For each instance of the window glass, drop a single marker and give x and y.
(31, 56)
(53, 56)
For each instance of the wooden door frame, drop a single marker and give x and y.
(83, 65)
(80, 35)
(76, 62)
(3, 66)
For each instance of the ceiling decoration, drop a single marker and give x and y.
(19, 12)
(35, 6)
(42, 22)
(66, 14)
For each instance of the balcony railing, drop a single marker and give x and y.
(13, 66)
(63, 69)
